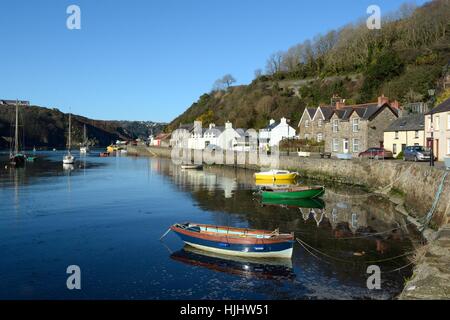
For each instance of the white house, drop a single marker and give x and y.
(275, 132)
(196, 140)
(227, 140)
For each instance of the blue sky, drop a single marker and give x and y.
(151, 59)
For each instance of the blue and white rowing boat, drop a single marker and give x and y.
(236, 241)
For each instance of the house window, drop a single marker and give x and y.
(416, 134)
(355, 145)
(396, 134)
(319, 137)
(448, 121)
(436, 124)
(320, 122)
(335, 125)
(394, 148)
(306, 123)
(335, 145)
(355, 125)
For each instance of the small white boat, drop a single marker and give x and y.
(192, 166)
(69, 159)
(344, 156)
(84, 150)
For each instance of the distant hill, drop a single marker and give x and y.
(48, 128)
(409, 55)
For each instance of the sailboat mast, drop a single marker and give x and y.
(16, 136)
(84, 134)
(70, 131)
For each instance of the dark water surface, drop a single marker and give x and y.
(106, 216)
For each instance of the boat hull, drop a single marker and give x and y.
(303, 194)
(17, 160)
(286, 253)
(226, 244)
(192, 167)
(276, 177)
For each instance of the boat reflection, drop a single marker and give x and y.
(275, 269)
(315, 203)
(271, 183)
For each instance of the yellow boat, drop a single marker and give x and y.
(111, 149)
(276, 175)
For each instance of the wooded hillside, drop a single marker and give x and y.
(402, 60)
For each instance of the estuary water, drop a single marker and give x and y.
(106, 216)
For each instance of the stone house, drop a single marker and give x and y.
(355, 128)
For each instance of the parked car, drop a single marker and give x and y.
(376, 153)
(416, 153)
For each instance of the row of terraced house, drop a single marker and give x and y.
(351, 129)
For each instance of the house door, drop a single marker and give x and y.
(436, 148)
(345, 146)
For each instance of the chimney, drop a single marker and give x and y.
(283, 120)
(382, 100)
(395, 105)
(340, 104)
(228, 125)
(271, 121)
(212, 125)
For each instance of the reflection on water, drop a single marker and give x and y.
(278, 269)
(107, 214)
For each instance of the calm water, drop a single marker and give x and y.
(107, 214)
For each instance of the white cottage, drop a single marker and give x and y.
(227, 140)
(196, 140)
(275, 132)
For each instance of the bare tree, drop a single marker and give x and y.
(223, 83)
(258, 73)
(274, 62)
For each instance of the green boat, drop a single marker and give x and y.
(31, 158)
(315, 203)
(293, 193)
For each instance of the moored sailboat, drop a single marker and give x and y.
(69, 158)
(84, 149)
(16, 158)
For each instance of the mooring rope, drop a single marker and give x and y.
(301, 242)
(430, 213)
(374, 234)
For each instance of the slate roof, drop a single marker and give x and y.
(311, 111)
(187, 126)
(327, 112)
(366, 111)
(217, 129)
(410, 123)
(273, 125)
(443, 107)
